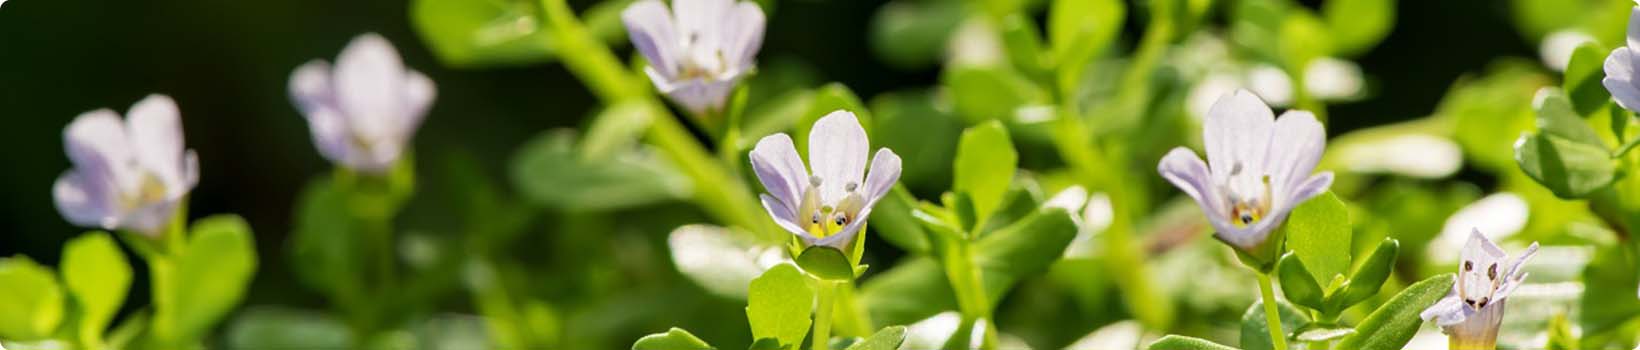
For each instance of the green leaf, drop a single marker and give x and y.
(1318, 231)
(675, 339)
(985, 166)
(616, 129)
(891, 219)
(264, 327)
(1297, 284)
(914, 289)
(1366, 280)
(1078, 30)
(206, 280)
(826, 262)
(1608, 301)
(325, 246)
(32, 303)
(1313, 332)
(1393, 324)
(1255, 334)
(888, 338)
(1358, 25)
(1257, 27)
(979, 94)
(480, 33)
(1556, 117)
(778, 305)
(1568, 169)
(1179, 342)
(923, 133)
(1024, 249)
(1582, 79)
(97, 276)
(768, 344)
(549, 171)
(1303, 39)
(1023, 44)
(913, 34)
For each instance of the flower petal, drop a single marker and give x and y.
(700, 22)
(696, 95)
(97, 145)
(845, 236)
(885, 171)
(779, 168)
(83, 202)
(784, 216)
(1295, 149)
(419, 92)
(837, 153)
(1619, 80)
(743, 35)
(650, 27)
(1450, 310)
(310, 86)
(1634, 28)
(369, 86)
(1310, 188)
(1187, 172)
(1237, 134)
(154, 127)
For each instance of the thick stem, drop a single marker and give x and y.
(822, 316)
(1272, 315)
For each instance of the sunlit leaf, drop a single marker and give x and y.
(1394, 323)
(1255, 332)
(778, 305)
(888, 338)
(31, 301)
(1358, 25)
(97, 275)
(210, 278)
(1179, 342)
(675, 339)
(1318, 231)
(985, 166)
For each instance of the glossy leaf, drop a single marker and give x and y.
(1298, 284)
(1179, 342)
(1582, 79)
(1358, 25)
(888, 338)
(98, 276)
(989, 93)
(674, 339)
(1255, 334)
(549, 171)
(1556, 117)
(985, 166)
(33, 301)
(891, 219)
(826, 262)
(1024, 249)
(778, 305)
(1318, 232)
(1393, 324)
(210, 278)
(1366, 280)
(1569, 169)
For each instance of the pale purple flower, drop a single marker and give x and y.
(1257, 170)
(697, 50)
(1471, 313)
(127, 175)
(1621, 66)
(363, 111)
(828, 207)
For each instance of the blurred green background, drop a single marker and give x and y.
(227, 63)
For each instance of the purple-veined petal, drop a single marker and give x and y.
(1237, 134)
(743, 35)
(83, 202)
(837, 153)
(649, 25)
(885, 171)
(154, 128)
(97, 144)
(1187, 172)
(1619, 80)
(784, 216)
(779, 168)
(1296, 148)
(1450, 310)
(369, 83)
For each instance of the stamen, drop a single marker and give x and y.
(814, 181)
(815, 218)
(850, 187)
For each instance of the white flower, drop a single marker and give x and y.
(127, 175)
(1620, 67)
(1258, 169)
(1557, 48)
(363, 111)
(698, 50)
(1471, 313)
(829, 207)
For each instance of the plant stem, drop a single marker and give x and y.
(822, 316)
(1272, 315)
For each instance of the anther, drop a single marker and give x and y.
(850, 186)
(814, 181)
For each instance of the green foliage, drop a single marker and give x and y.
(984, 167)
(1358, 25)
(478, 34)
(326, 247)
(205, 280)
(33, 304)
(983, 93)
(1608, 301)
(97, 276)
(1297, 283)
(1078, 30)
(888, 338)
(1179, 342)
(674, 339)
(777, 306)
(826, 262)
(1393, 324)
(923, 133)
(269, 327)
(549, 171)
(1582, 79)
(1255, 331)
(913, 34)
(1318, 232)
(1566, 155)
(1366, 280)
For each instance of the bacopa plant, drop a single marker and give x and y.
(1059, 183)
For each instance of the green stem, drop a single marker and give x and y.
(972, 300)
(1272, 315)
(822, 316)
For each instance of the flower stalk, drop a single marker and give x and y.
(1272, 314)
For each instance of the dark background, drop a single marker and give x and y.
(227, 62)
